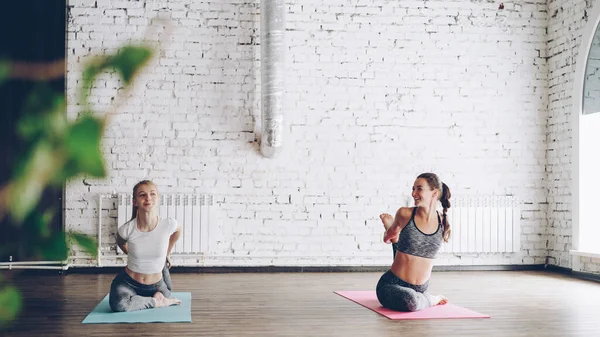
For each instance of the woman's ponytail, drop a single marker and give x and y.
(445, 200)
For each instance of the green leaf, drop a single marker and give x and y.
(44, 114)
(83, 147)
(10, 304)
(25, 191)
(88, 243)
(90, 72)
(39, 240)
(5, 67)
(53, 248)
(37, 224)
(127, 62)
(70, 170)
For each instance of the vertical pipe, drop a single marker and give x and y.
(272, 44)
(98, 260)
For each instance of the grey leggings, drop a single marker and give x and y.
(393, 293)
(126, 294)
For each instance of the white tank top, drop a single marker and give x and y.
(147, 251)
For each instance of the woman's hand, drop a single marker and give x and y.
(391, 232)
(433, 202)
(169, 261)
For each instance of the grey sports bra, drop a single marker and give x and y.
(414, 242)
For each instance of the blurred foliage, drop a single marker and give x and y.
(4, 70)
(10, 303)
(57, 150)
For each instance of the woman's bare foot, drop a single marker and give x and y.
(437, 299)
(162, 301)
(388, 221)
(159, 300)
(173, 301)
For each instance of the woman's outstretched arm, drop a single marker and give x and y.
(395, 224)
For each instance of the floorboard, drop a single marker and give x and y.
(521, 303)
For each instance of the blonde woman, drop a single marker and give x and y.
(147, 240)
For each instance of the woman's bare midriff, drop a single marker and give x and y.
(144, 278)
(412, 269)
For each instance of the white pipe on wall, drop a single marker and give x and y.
(272, 44)
(17, 266)
(100, 198)
(64, 265)
(29, 263)
(98, 263)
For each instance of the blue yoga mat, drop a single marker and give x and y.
(176, 313)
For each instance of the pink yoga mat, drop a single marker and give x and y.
(369, 300)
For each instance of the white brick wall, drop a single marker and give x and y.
(377, 92)
(565, 26)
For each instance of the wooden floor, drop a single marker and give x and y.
(521, 303)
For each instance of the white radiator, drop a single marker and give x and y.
(484, 224)
(192, 212)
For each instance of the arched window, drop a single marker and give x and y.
(586, 142)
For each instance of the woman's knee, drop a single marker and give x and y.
(117, 305)
(395, 298)
(411, 306)
(386, 297)
(119, 302)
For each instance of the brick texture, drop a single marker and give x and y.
(376, 93)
